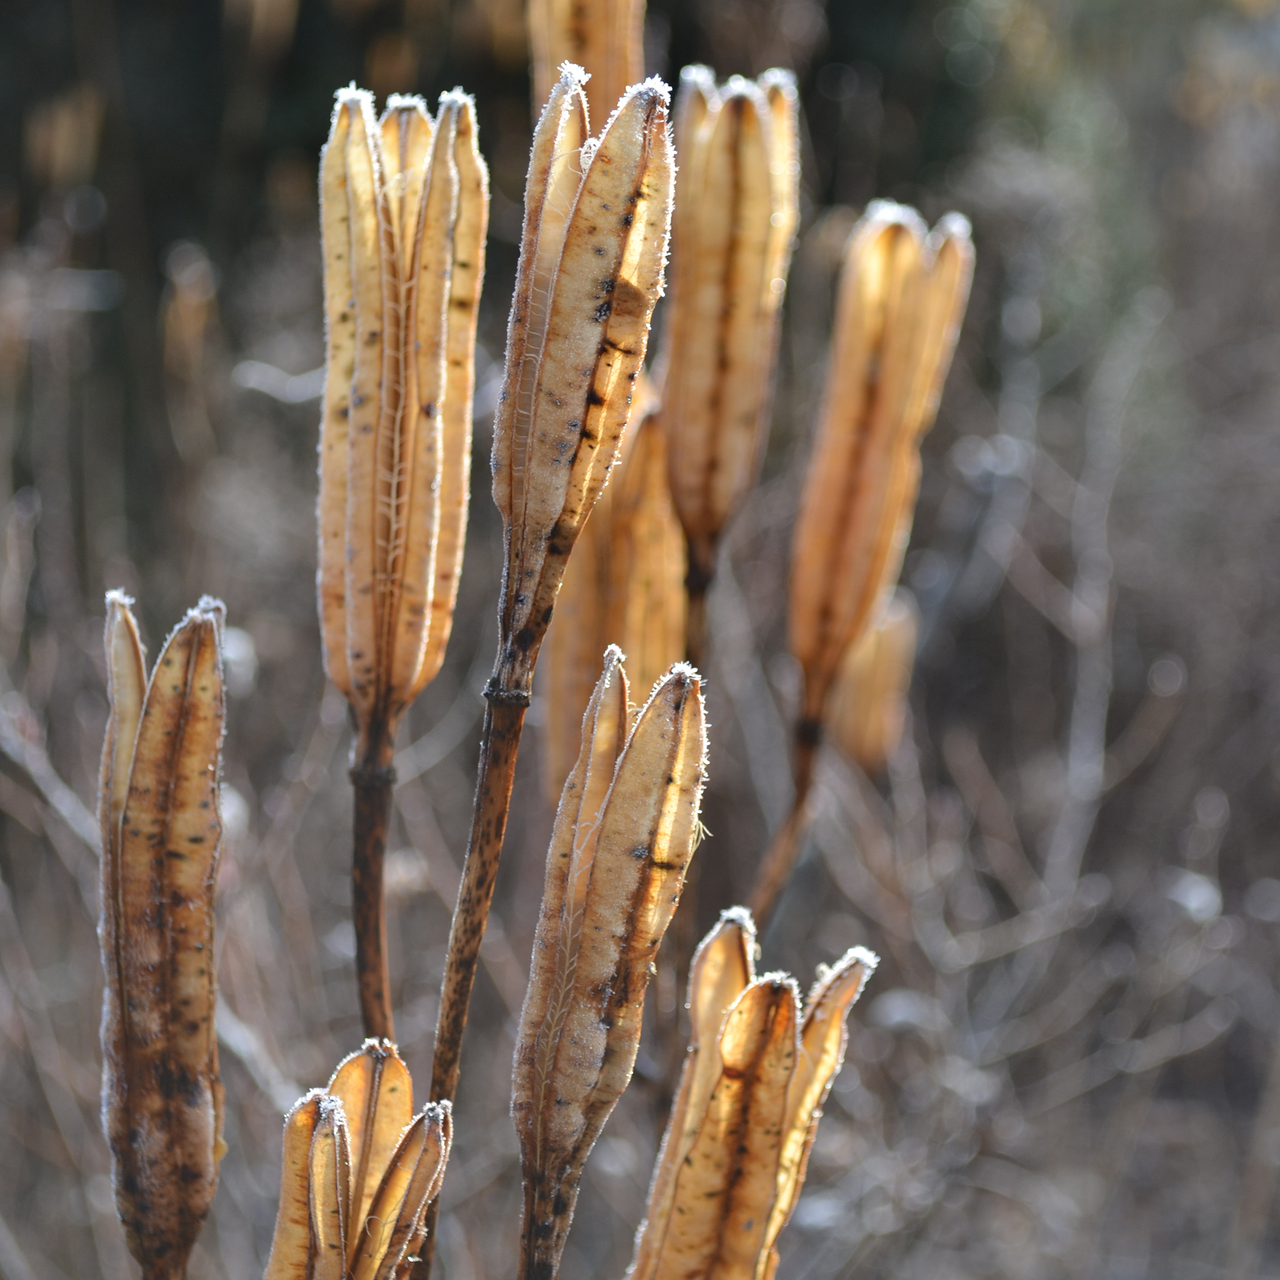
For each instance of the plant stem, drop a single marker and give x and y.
(374, 780)
(544, 1228)
(499, 744)
(697, 583)
(780, 860)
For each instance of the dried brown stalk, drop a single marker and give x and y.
(624, 585)
(732, 231)
(746, 1111)
(359, 1171)
(404, 208)
(604, 37)
(902, 297)
(161, 838)
(624, 834)
(188, 312)
(866, 710)
(591, 260)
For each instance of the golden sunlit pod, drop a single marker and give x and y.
(403, 208)
(901, 301)
(824, 1036)
(902, 298)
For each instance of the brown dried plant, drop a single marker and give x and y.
(359, 1171)
(901, 301)
(404, 210)
(624, 585)
(867, 708)
(162, 1101)
(746, 1111)
(732, 231)
(597, 212)
(625, 831)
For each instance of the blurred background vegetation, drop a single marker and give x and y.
(1033, 1089)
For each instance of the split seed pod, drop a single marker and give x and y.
(161, 838)
(902, 298)
(404, 208)
(597, 214)
(901, 301)
(868, 704)
(604, 37)
(624, 834)
(624, 585)
(746, 1110)
(359, 1171)
(734, 223)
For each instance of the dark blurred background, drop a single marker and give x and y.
(1068, 1064)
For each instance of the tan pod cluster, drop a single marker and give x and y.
(404, 211)
(360, 1169)
(867, 708)
(161, 839)
(624, 834)
(746, 1111)
(624, 585)
(732, 232)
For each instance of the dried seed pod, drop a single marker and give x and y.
(750, 1097)
(729, 1176)
(161, 838)
(576, 639)
(591, 259)
(604, 37)
(470, 233)
(902, 297)
(647, 565)
(290, 1257)
(623, 838)
(329, 1175)
(723, 968)
(867, 707)
(624, 585)
(359, 1171)
(733, 227)
(376, 1093)
(824, 1036)
(404, 206)
(403, 201)
(574, 642)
